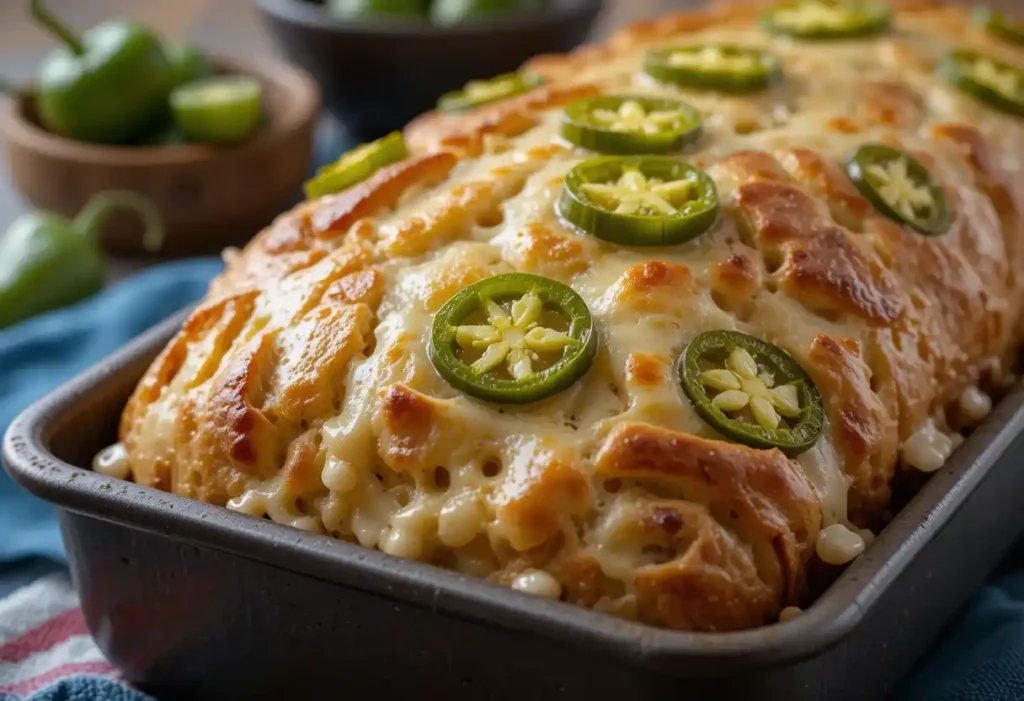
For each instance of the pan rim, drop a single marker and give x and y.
(832, 617)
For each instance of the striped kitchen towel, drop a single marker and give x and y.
(46, 653)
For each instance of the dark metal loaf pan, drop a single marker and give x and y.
(196, 602)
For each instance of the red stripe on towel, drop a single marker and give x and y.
(44, 636)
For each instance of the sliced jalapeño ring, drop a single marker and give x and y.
(639, 200)
(901, 188)
(827, 19)
(626, 124)
(483, 92)
(513, 339)
(725, 67)
(217, 110)
(356, 166)
(751, 391)
(999, 25)
(996, 83)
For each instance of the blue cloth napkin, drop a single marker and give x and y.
(38, 355)
(980, 657)
(84, 688)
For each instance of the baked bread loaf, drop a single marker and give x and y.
(841, 191)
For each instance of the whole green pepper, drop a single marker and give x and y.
(108, 86)
(187, 64)
(48, 261)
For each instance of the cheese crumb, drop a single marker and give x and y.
(927, 449)
(838, 545)
(538, 583)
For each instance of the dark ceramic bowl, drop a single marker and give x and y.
(377, 75)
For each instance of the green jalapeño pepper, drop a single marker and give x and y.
(187, 64)
(900, 187)
(630, 125)
(482, 92)
(513, 339)
(639, 200)
(108, 86)
(356, 166)
(827, 19)
(48, 262)
(999, 25)
(994, 82)
(724, 67)
(751, 391)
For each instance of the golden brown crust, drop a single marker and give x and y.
(339, 212)
(542, 494)
(464, 132)
(714, 585)
(245, 434)
(538, 246)
(301, 389)
(817, 262)
(414, 434)
(866, 434)
(766, 495)
(654, 287)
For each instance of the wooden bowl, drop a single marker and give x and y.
(210, 197)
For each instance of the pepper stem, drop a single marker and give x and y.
(53, 24)
(90, 220)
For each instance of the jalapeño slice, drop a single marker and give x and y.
(639, 200)
(751, 391)
(356, 165)
(994, 82)
(629, 124)
(901, 188)
(513, 339)
(827, 19)
(217, 110)
(482, 92)
(999, 25)
(725, 67)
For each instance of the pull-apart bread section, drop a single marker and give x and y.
(653, 335)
